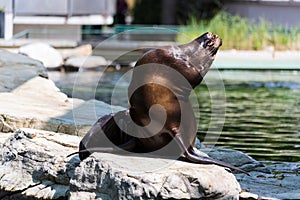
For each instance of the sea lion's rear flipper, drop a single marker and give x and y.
(192, 156)
(196, 158)
(106, 136)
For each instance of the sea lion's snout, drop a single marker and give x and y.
(218, 41)
(213, 40)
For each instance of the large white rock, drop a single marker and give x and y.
(34, 163)
(43, 52)
(86, 61)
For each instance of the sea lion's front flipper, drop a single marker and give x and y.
(192, 156)
(84, 153)
(107, 136)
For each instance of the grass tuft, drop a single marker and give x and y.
(241, 33)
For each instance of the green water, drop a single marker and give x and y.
(257, 112)
(260, 120)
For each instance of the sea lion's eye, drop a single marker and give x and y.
(211, 40)
(208, 42)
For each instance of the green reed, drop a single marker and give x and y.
(243, 34)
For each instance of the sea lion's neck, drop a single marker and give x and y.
(190, 48)
(197, 56)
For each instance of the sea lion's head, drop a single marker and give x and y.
(210, 42)
(208, 45)
(201, 52)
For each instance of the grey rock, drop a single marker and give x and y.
(43, 52)
(131, 177)
(86, 62)
(34, 164)
(268, 180)
(4, 136)
(27, 100)
(282, 183)
(16, 69)
(39, 104)
(237, 157)
(250, 196)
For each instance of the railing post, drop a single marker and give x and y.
(2, 24)
(70, 8)
(14, 7)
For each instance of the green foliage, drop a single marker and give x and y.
(240, 33)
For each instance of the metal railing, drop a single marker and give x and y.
(27, 33)
(130, 30)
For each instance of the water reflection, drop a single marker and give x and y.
(262, 108)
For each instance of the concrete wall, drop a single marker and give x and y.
(284, 13)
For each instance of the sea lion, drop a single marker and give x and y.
(160, 112)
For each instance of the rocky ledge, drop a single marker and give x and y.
(34, 164)
(39, 104)
(28, 99)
